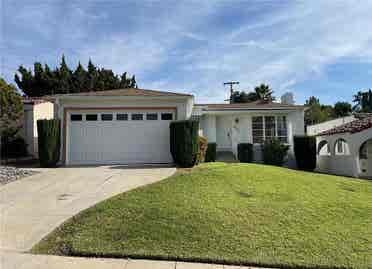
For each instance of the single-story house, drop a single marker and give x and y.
(34, 109)
(132, 125)
(346, 149)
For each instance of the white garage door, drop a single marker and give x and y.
(118, 137)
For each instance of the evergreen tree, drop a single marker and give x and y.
(64, 77)
(44, 81)
(80, 79)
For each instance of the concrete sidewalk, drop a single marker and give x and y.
(11, 260)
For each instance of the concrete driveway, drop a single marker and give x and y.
(32, 207)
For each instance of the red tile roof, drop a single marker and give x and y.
(350, 127)
(124, 92)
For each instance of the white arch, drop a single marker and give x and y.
(323, 148)
(341, 147)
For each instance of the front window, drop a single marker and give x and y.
(269, 127)
(257, 130)
(282, 128)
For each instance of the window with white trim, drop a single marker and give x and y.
(269, 127)
(282, 129)
(257, 130)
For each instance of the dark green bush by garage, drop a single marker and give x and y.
(184, 142)
(49, 136)
(211, 153)
(305, 152)
(245, 152)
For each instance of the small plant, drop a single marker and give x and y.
(274, 152)
(203, 146)
(245, 152)
(211, 154)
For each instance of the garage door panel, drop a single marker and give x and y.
(95, 142)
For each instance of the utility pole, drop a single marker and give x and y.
(231, 83)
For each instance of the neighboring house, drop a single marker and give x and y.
(34, 109)
(324, 126)
(346, 149)
(132, 125)
(231, 124)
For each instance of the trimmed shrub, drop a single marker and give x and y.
(274, 152)
(49, 136)
(211, 154)
(245, 152)
(203, 145)
(184, 142)
(305, 152)
(14, 147)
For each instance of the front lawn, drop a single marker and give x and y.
(230, 213)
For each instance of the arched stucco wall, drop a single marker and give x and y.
(347, 165)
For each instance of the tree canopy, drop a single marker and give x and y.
(11, 110)
(45, 81)
(342, 109)
(262, 92)
(316, 112)
(363, 101)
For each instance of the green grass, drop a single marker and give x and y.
(230, 213)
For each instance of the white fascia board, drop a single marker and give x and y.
(246, 111)
(98, 98)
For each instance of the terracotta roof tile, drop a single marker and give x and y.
(350, 127)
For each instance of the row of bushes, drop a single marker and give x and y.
(274, 152)
(188, 149)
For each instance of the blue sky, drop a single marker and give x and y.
(321, 48)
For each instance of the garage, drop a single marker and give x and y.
(119, 136)
(121, 126)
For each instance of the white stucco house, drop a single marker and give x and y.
(132, 125)
(34, 109)
(346, 149)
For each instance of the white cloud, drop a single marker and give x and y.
(184, 45)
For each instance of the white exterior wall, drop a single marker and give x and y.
(347, 165)
(295, 126)
(324, 126)
(208, 127)
(215, 127)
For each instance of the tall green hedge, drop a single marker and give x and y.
(211, 154)
(245, 152)
(305, 152)
(49, 140)
(184, 142)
